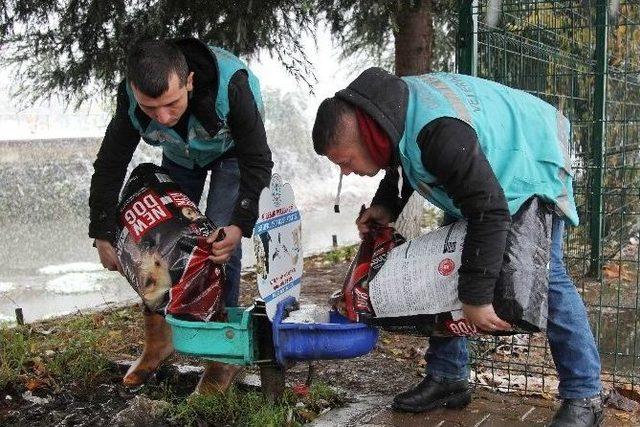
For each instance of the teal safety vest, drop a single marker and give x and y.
(201, 148)
(525, 140)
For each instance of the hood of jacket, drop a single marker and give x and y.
(383, 96)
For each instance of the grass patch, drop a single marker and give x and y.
(14, 348)
(322, 396)
(73, 350)
(232, 408)
(236, 408)
(343, 253)
(78, 361)
(165, 391)
(74, 353)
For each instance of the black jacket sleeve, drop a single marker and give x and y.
(390, 196)
(253, 153)
(451, 152)
(109, 169)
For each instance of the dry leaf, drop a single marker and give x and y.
(33, 384)
(39, 367)
(629, 393)
(623, 416)
(547, 396)
(613, 271)
(98, 319)
(396, 351)
(624, 400)
(306, 415)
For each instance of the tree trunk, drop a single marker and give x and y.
(413, 38)
(413, 49)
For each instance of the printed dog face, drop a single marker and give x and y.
(190, 213)
(155, 280)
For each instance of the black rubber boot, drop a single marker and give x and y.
(585, 412)
(431, 394)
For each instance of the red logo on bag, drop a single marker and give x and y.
(446, 266)
(461, 328)
(144, 213)
(181, 200)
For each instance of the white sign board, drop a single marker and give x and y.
(277, 240)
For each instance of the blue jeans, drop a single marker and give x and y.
(221, 201)
(570, 338)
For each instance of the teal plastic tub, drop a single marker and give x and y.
(227, 342)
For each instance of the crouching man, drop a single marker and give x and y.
(202, 105)
(478, 150)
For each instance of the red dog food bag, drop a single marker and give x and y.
(369, 259)
(161, 245)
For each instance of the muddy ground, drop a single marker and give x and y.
(395, 364)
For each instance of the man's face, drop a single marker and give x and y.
(349, 152)
(168, 107)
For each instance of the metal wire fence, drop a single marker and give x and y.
(583, 57)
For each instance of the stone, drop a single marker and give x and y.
(141, 412)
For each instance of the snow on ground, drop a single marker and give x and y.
(6, 286)
(76, 283)
(74, 267)
(5, 319)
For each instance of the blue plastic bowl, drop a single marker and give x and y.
(338, 339)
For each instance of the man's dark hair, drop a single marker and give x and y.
(150, 64)
(330, 113)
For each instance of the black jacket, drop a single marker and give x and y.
(450, 151)
(245, 123)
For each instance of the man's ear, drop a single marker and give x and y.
(190, 81)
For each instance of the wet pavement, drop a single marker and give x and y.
(488, 409)
(376, 377)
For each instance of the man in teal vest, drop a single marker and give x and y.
(478, 150)
(203, 106)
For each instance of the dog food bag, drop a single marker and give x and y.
(161, 244)
(415, 290)
(371, 255)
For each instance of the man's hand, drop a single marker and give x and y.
(484, 317)
(107, 254)
(221, 251)
(375, 214)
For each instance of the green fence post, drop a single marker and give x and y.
(598, 138)
(467, 39)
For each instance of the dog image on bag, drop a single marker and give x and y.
(191, 214)
(163, 249)
(155, 280)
